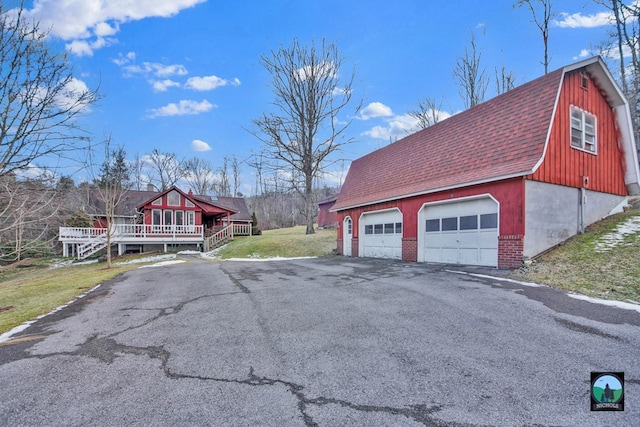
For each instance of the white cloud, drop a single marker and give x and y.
(125, 59)
(578, 20)
(584, 53)
(163, 85)
(102, 29)
(80, 48)
(209, 83)
(79, 20)
(198, 145)
(182, 108)
(68, 97)
(154, 69)
(375, 109)
(323, 69)
(86, 48)
(396, 127)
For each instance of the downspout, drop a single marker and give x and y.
(582, 204)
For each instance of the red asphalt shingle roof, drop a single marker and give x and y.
(502, 137)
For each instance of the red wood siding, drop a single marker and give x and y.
(565, 165)
(325, 217)
(148, 208)
(508, 193)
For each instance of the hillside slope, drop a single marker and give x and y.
(603, 262)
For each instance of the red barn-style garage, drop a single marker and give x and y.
(499, 183)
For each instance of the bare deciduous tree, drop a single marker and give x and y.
(428, 112)
(541, 19)
(470, 75)
(505, 80)
(222, 187)
(111, 185)
(199, 175)
(235, 174)
(28, 211)
(304, 130)
(626, 19)
(39, 97)
(165, 169)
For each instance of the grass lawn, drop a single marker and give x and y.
(603, 262)
(26, 293)
(284, 242)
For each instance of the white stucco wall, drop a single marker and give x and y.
(552, 213)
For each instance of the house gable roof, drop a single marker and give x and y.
(502, 138)
(207, 205)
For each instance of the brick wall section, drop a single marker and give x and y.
(410, 249)
(510, 251)
(354, 247)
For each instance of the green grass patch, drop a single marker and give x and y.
(30, 291)
(582, 264)
(284, 242)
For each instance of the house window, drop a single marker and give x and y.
(488, 221)
(156, 218)
(368, 229)
(189, 204)
(584, 80)
(469, 222)
(349, 225)
(398, 228)
(168, 217)
(450, 224)
(433, 225)
(378, 229)
(583, 130)
(157, 202)
(191, 220)
(179, 220)
(173, 198)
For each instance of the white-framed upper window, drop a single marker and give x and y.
(584, 127)
(157, 202)
(173, 198)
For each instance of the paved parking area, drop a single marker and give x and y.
(318, 342)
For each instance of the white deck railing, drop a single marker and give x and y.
(131, 230)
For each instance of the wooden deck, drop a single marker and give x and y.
(81, 242)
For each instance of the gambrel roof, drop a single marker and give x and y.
(499, 139)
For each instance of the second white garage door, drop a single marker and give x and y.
(464, 232)
(381, 234)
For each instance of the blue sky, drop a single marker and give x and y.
(183, 76)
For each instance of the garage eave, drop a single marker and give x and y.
(431, 191)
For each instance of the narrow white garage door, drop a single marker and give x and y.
(381, 234)
(463, 232)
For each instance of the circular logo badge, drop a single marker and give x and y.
(607, 388)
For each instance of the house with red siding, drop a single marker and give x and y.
(326, 217)
(499, 183)
(147, 221)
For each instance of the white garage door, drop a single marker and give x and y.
(461, 232)
(381, 234)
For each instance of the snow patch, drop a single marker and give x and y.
(163, 263)
(156, 258)
(277, 258)
(617, 304)
(610, 240)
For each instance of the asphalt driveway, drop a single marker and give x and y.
(318, 342)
